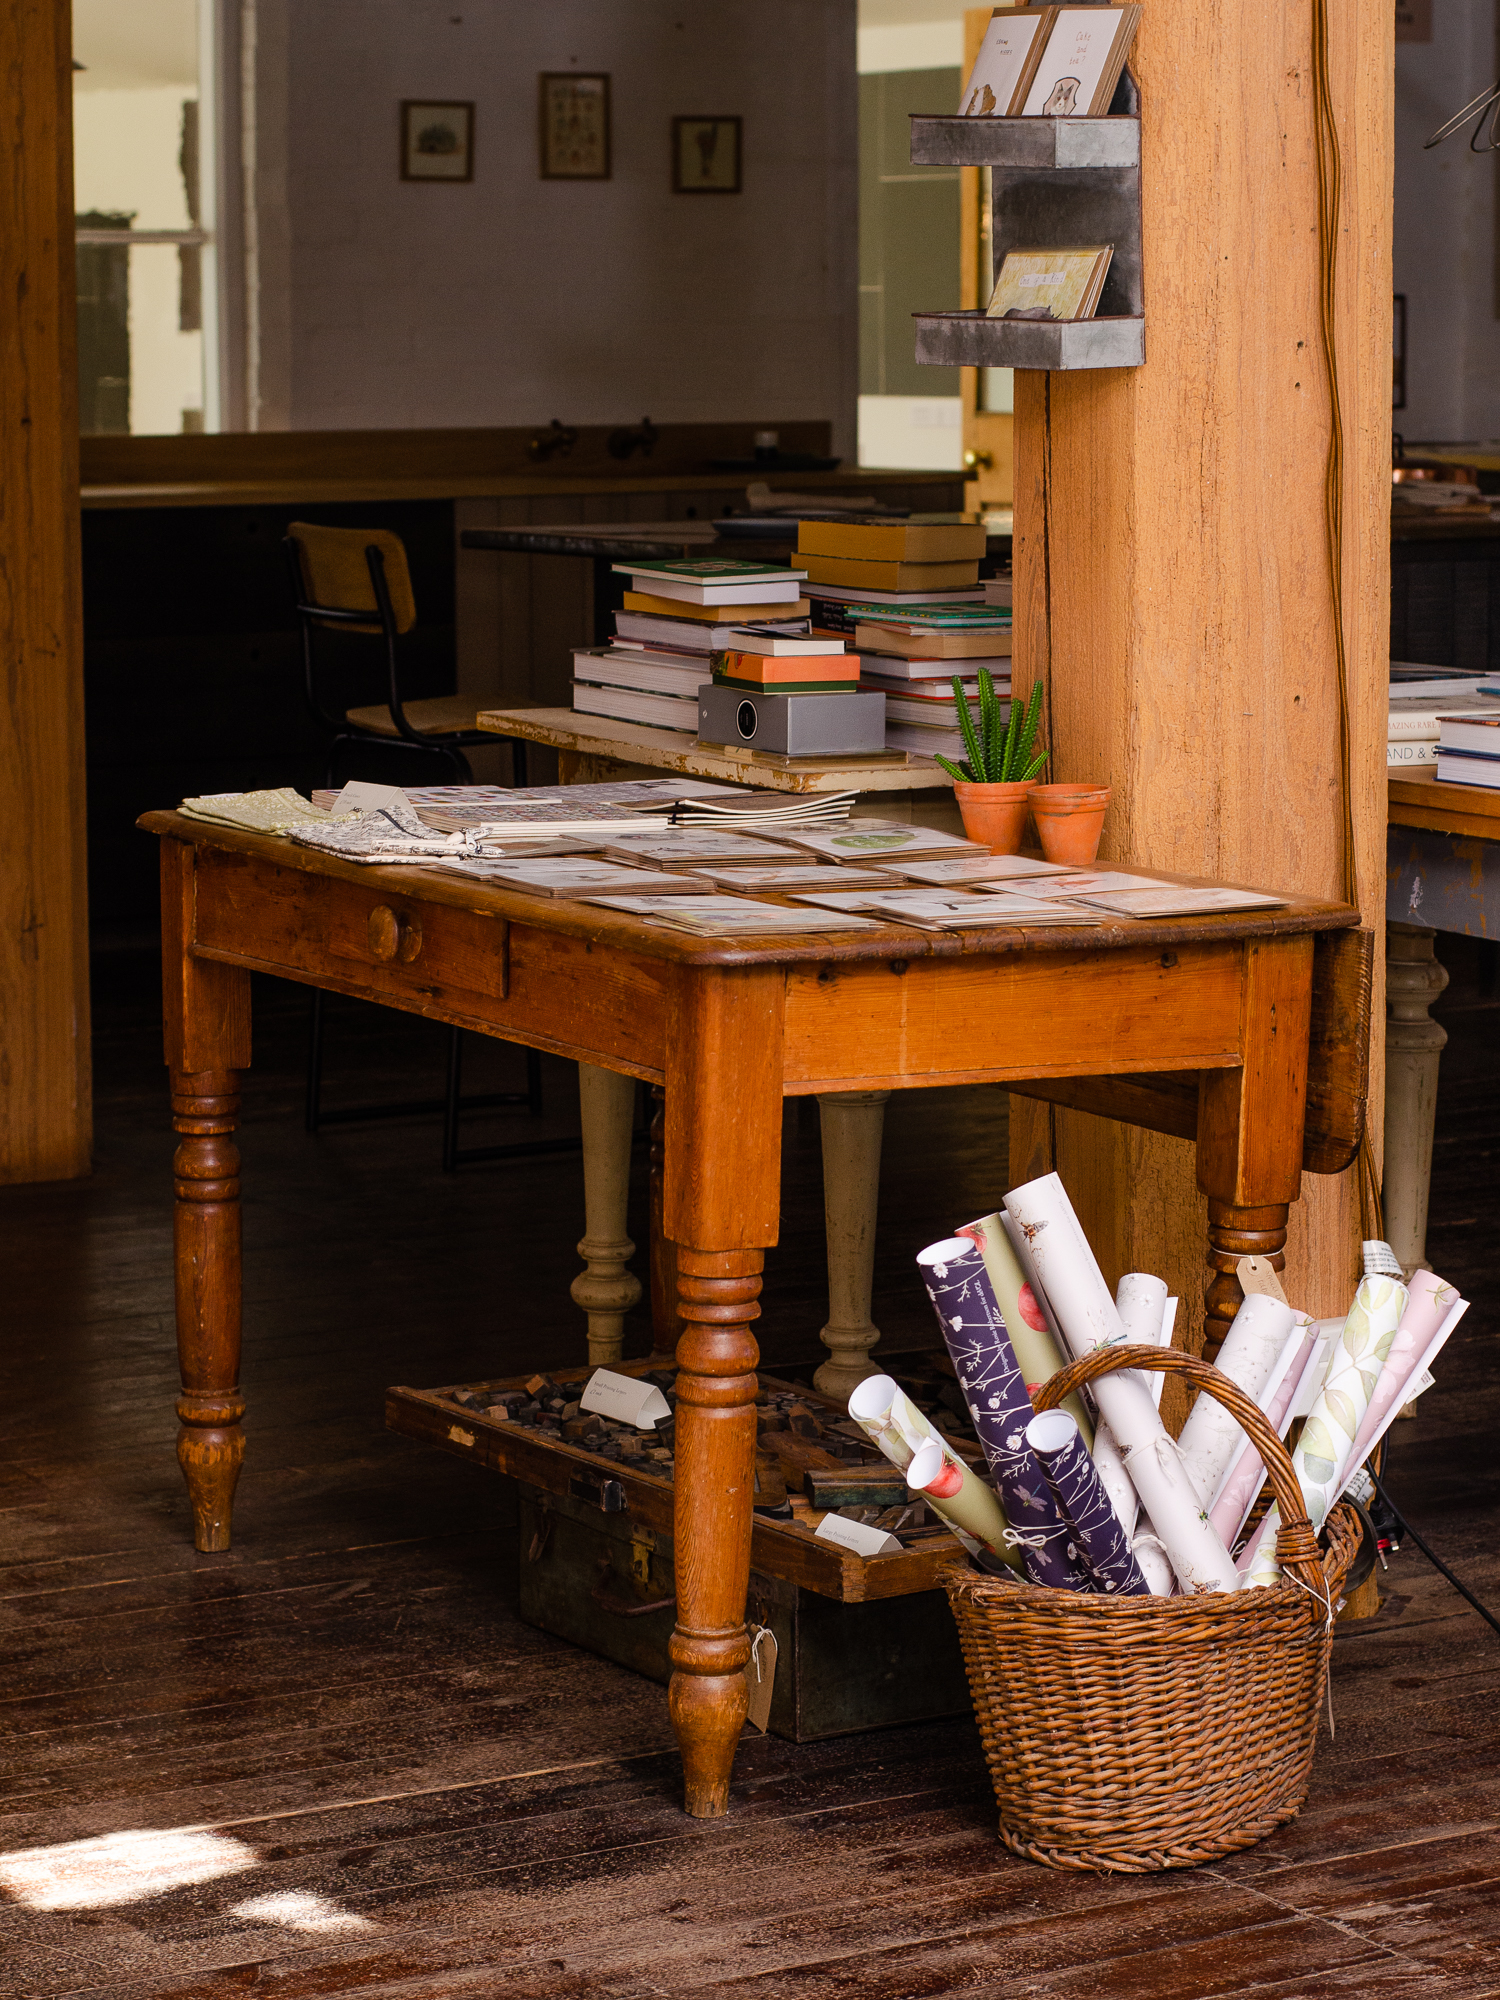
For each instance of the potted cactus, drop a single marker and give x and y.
(991, 785)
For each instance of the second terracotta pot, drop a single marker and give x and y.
(1069, 820)
(994, 814)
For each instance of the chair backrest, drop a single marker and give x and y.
(336, 572)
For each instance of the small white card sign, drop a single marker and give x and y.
(625, 1399)
(855, 1535)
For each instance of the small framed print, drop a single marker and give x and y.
(574, 126)
(437, 141)
(705, 156)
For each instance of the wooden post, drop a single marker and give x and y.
(1414, 1045)
(1171, 582)
(606, 1290)
(721, 1202)
(853, 1121)
(46, 1114)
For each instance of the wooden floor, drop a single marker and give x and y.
(335, 1762)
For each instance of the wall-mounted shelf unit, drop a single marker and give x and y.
(1054, 182)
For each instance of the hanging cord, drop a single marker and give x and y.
(1435, 1559)
(1486, 101)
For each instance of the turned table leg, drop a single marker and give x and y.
(206, 1013)
(606, 1290)
(1250, 1125)
(853, 1122)
(206, 1240)
(1414, 1045)
(721, 1207)
(664, 1322)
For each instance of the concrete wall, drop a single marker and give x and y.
(513, 299)
(1445, 231)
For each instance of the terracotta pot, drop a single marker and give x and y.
(994, 814)
(1069, 821)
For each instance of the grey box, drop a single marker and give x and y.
(792, 725)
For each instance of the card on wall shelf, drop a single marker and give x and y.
(1008, 56)
(1081, 63)
(1057, 283)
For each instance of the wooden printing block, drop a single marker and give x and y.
(854, 1486)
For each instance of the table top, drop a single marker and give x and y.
(651, 541)
(642, 939)
(675, 750)
(1472, 810)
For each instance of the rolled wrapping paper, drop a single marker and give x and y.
(1036, 1348)
(1430, 1301)
(999, 1408)
(1247, 1471)
(893, 1423)
(1088, 1318)
(1326, 1447)
(962, 1498)
(1085, 1506)
(1255, 1342)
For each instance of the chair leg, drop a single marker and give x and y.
(534, 1083)
(518, 760)
(314, 1059)
(450, 1102)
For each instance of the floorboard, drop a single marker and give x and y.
(335, 1761)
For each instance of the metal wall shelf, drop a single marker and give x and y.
(1055, 183)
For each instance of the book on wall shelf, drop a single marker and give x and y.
(1007, 61)
(1079, 67)
(1053, 283)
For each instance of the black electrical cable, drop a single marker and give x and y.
(1435, 1559)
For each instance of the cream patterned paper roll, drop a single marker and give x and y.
(893, 1423)
(1247, 1473)
(1088, 1318)
(1326, 1446)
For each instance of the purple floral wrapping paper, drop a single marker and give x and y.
(964, 1300)
(1087, 1509)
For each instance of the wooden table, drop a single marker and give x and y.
(1440, 876)
(1261, 1010)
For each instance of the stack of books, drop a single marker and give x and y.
(676, 617)
(913, 657)
(1419, 695)
(1468, 751)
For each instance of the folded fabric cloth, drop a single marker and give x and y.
(392, 833)
(261, 812)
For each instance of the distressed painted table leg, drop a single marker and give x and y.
(853, 1122)
(721, 1201)
(206, 1011)
(1414, 1045)
(1250, 1124)
(664, 1321)
(606, 1290)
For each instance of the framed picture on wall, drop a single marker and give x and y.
(574, 126)
(705, 156)
(437, 141)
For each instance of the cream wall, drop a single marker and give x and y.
(511, 300)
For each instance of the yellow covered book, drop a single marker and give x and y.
(893, 541)
(854, 574)
(715, 614)
(1050, 284)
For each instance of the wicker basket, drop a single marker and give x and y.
(1142, 1733)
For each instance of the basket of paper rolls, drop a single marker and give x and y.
(1146, 1621)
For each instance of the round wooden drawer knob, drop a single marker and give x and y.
(393, 936)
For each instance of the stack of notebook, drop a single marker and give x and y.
(913, 657)
(677, 615)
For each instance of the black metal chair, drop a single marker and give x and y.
(356, 582)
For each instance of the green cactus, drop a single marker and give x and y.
(997, 756)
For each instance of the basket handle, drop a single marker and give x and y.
(1296, 1544)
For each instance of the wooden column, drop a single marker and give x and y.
(1414, 1045)
(853, 1122)
(1172, 584)
(721, 1209)
(46, 1114)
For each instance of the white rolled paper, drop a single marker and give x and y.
(1088, 1318)
(1252, 1347)
(1432, 1307)
(1246, 1475)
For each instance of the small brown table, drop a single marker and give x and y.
(1253, 1019)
